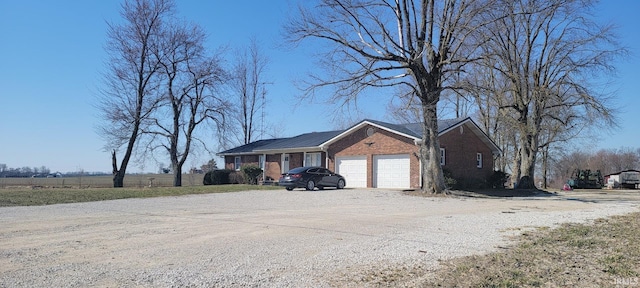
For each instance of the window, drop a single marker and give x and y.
(442, 156)
(261, 161)
(313, 159)
(479, 160)
(237, 163)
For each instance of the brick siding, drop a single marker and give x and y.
(461, 147)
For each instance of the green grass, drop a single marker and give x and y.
(24, 196)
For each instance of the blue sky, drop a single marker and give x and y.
(51, 57)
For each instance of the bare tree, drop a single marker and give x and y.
(376, 44)
(190, 78)
(249, 86)
(548, 52)
(483, 86)
(130, 93)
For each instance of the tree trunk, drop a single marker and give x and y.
(118, 180)
(118, 177)
(175, 163)
(528, 153)
(545, 166)
(177, 175)
(432, 176)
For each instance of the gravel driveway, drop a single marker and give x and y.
(264, 238)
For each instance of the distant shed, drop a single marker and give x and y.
(623, 179)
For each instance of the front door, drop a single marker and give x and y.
(285, 163)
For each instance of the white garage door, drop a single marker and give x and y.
(391, 171)
(354, 170)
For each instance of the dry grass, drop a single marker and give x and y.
(26, 196)
(603, 254)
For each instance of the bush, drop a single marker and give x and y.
(449, 181)
(498, 179)
(235, 177)
(251, 173)
(217, 177)
(463, 183)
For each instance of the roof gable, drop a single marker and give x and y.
(411, 130)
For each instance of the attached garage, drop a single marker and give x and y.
(354, 170)
(392, 171)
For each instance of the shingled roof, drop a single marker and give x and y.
(308, 140)
(315, 140)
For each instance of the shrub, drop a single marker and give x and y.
(449, 181)
(217, 177)
(235, 177)
(463, 183)
(498, 179)
(251, 173)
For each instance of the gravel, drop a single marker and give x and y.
(265, 238)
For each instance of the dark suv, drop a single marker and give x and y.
(310, 178)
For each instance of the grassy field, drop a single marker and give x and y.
(133, 180)
(28, 196)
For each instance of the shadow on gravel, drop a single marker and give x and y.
(502, 193)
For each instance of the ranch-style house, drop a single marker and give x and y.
(373, 153)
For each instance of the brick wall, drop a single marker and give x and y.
(272, 166)
(462, 145)
(229, 161)
(381, 142)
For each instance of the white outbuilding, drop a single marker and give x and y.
(623, 179)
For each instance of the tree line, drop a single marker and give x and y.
(40, 172)
(23, 172)
(608, 161)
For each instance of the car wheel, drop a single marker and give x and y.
(340, 184)
(289, 188)
(311, 185)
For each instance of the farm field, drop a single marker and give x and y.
(106, 181)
